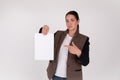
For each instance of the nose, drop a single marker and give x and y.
(69, 23)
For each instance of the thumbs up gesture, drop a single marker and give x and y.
(73, 49)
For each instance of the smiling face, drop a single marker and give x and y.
(45, 30)
(71, 22)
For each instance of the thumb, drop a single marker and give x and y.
(73, 44)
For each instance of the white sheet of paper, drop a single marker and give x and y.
(44, 46)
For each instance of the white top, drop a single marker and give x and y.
(62, 58)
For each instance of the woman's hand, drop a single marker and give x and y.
(45, 30)
(74, 49)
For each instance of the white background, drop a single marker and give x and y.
(20, 19)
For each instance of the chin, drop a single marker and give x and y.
(70, 29)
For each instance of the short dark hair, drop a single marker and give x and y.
(40, 31)
(73, 13)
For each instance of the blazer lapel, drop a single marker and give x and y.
(62, 37)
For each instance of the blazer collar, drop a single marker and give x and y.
(76, 33)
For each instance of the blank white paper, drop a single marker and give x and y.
(44, 46)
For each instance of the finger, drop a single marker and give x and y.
(67, 46)
(73, 44)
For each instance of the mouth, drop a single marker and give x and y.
(69, 26)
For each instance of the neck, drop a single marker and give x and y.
(72, 32)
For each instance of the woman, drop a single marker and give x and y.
(71, 51)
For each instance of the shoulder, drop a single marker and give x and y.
(59, 32)
(83, 36)
(86, 39)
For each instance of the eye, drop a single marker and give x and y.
(67, 21)
(72, 20)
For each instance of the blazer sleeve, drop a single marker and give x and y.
(84, 58)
